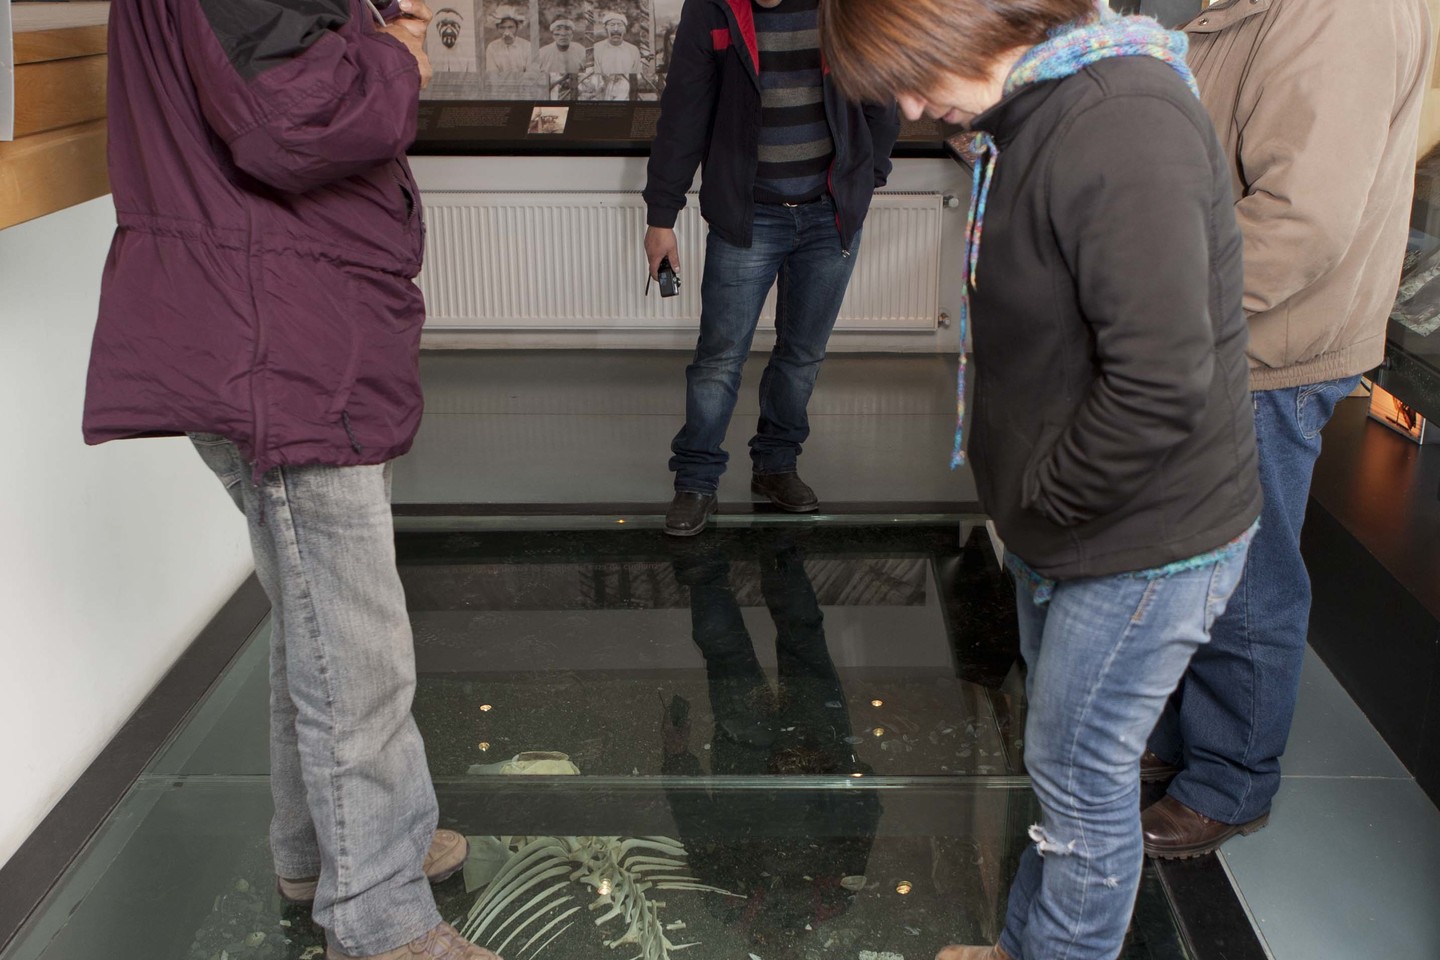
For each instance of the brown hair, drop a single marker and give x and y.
(878, 48)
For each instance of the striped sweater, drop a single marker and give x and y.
(795, 144)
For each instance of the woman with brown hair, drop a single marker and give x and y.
(1113, 441)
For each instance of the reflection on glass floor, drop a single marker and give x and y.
(820, 723)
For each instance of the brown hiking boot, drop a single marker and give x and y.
(1175, 832)
(956, 952)
(1155, 770)
(446, 855)
(442, 943)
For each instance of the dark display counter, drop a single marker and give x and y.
(1412, 356)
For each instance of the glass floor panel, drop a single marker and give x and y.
(820, 721)
(786, 650)
(182, 870)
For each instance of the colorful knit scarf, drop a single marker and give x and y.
(1069, 50)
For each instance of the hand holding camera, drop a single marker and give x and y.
(668, 279)
(663, 254)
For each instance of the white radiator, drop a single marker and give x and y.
(573, 261)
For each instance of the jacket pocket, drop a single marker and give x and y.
(1033, 494)
(413, 210)
(351, 365)
(379, 395)
(409, 195)
(1315, 404)
(310, 355)
(224, 460)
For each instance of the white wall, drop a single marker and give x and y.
(112, 558)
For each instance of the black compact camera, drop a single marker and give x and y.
(667, 278)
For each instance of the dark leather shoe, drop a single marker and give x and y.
(786, 490)
(1175, 832)
(1155, 770)
(688, 513)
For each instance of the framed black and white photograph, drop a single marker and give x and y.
(497, 63)
(507, 60)
(548, 119)
(566, 50)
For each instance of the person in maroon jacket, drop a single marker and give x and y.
(259, 297)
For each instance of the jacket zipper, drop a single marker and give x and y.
(257, 355)
(751, 45)
(829, 185)
(830, 171)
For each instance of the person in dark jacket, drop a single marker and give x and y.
(259, 296)
(790, 166)
(1113, 440)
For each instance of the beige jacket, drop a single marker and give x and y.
(1317, 103)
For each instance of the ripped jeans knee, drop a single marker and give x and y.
(1045, 845)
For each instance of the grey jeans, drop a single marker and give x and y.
(354, 803)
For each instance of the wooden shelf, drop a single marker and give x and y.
(54, 31)
(58, 156)
(30, 17)
(42, 45)
(58, 93)
(50, 171)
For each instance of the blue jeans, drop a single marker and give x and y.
(1228, 722)
(808, 715)
(354, 803)
(1103, 657)
(801, 246)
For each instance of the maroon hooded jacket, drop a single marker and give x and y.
(259, 285)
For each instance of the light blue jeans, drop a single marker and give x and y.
(353, 799)
(1103, 656)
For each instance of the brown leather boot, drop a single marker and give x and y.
(1155, 770)
(957, 952)
(1175, 832)
(442, 943)
(446, 855)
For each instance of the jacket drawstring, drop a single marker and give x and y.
(983, 144)
(1069, 49)
(350, 432)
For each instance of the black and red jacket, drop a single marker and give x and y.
(710, 114)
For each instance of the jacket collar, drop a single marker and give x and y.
(744, 23)
(744, 16)
(1005, 120)
(1226, 14)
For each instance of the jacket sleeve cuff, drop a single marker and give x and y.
(661, 217)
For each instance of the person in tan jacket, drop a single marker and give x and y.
(1317, 103)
